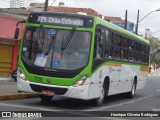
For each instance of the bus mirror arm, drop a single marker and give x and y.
(22, 21)
(16, 35)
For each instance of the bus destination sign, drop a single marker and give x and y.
(61, 20)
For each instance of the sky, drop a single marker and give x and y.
(117, 8)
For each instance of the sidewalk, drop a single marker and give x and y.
(8, 90)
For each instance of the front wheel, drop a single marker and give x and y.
(45, 98)
(99, 101)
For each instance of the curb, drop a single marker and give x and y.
(18, 96)
(6, 79)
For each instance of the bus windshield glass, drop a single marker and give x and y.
(44, 47)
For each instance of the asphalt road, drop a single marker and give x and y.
(147, 99)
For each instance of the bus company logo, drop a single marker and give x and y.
(49, 81)
(38, 79)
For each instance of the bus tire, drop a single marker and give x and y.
(131, 94)
(45, 98)
(99, 101)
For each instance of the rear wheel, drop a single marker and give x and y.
(131, 94)
(45, 98)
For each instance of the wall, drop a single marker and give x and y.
(8, 45)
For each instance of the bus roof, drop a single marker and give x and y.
(121, 30)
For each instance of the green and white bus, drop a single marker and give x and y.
(80, 56)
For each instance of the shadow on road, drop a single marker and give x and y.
(75, 104)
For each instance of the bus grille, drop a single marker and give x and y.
(57, 91)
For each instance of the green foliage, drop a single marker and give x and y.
(154, 44)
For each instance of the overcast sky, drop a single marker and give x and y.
(117, 8)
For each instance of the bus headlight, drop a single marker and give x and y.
(21, 74)
(80, 81)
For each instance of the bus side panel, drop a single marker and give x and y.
(142, 77)
(95, 85)
(126, 77)
(121, 79)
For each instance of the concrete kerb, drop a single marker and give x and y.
(18, 96)
(6, 79)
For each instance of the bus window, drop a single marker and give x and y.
(98, 43)
(117, 45)
(137, 45)
(108, 44)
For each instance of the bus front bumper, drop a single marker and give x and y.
(80, 92)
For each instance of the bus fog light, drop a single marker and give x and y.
(80, 81)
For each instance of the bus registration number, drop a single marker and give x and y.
(48, 92)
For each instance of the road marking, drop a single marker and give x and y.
(121, 104)
(155, 110)
(29, 107)
(158, 74)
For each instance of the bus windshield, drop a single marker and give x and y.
(44, 47)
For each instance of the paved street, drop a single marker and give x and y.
(146, 99)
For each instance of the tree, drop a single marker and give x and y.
(154, 44)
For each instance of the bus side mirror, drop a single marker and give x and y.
(97, 62)
(16, 35)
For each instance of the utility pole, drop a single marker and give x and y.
(136, 31)
(125, 25)
(46, 5)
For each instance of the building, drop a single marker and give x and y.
(89, 11)
(16, 3)
(148, 33)
(8, 45)
(120, 22)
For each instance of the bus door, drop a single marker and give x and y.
(96, 79)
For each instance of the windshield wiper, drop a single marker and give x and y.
(50, 45)
(67, 40)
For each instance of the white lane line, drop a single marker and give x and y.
(154, 74)
(156, 110)
(158, 74)
(121, 104)
(29, 107)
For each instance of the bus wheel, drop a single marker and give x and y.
(99, 101)
(131, 94)
(45, 98)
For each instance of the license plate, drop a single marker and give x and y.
(48, 92)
